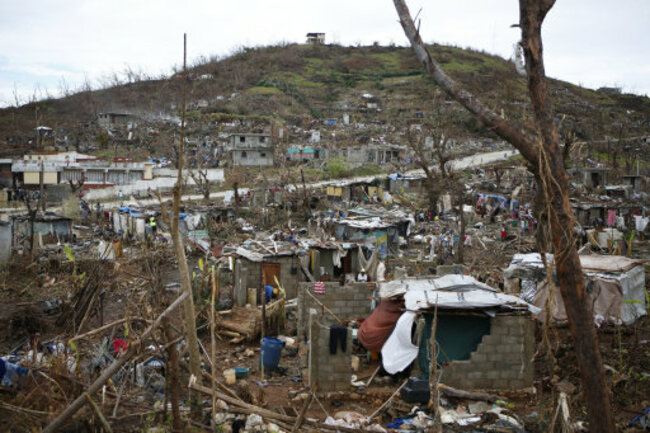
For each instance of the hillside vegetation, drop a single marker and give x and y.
(294, 84)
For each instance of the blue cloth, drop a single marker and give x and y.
(12, 374)
(268, 293)
(2, 368)
(398, 423)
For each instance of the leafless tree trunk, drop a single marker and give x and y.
(76, 186)
(416, 143)
(498, 173)
(31, 214)
(174, 384)
(460, 254)
(188, 305)
(200, 177)
(545, 157)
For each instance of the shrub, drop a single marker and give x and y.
(337, 167)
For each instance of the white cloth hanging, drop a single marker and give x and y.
(398, 351)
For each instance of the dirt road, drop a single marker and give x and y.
(459, 164)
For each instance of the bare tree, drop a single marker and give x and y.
(203, 183)
(32, 212)
(542, 152)
(416, 142)
(76, 185)
(186, 282)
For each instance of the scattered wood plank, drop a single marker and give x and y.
(459, 393)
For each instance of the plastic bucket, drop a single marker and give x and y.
(241, 372)
(270, 353)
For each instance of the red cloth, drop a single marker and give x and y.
(119, 345)
(376, 329)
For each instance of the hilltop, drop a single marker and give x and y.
(294, 84)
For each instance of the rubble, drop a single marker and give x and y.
(345, 276)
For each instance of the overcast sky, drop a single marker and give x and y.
(43, 43)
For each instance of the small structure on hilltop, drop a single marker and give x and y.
(316, 38)
(114, 119)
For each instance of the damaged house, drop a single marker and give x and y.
(248, 149)
(379, 154)
(398, 184)
(593, 177)
(49, 228)
(358, 191)
(485, 338)
(256, 269)
(381, 230)
(615, 286)
(328, 261)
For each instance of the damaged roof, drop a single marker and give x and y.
(451, 292)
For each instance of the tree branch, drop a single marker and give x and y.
(502, 128)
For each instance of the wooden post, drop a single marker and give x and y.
(434, 401)
(213, 345)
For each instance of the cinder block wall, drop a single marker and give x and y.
(347, 302)
(503, 359)
(331, 372)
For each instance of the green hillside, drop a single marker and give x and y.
(294, 84)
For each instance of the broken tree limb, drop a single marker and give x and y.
(111, 369)
(264, 413)
(303, 411)
(373, 376)
(378, 411)
(104, 328)
(459, 393)
(98, 412)
(241, 407)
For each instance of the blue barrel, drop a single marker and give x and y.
(270, 353)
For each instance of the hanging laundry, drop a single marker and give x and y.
(640, 223)
(398, 351)
(319, 287)
(611, 217)
(338, 334)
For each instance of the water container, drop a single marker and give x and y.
(270, 353)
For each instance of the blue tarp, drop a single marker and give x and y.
(181, 216)
(506, 203)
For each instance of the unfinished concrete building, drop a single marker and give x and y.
(253, 150)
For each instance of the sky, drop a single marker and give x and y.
(49, 46)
